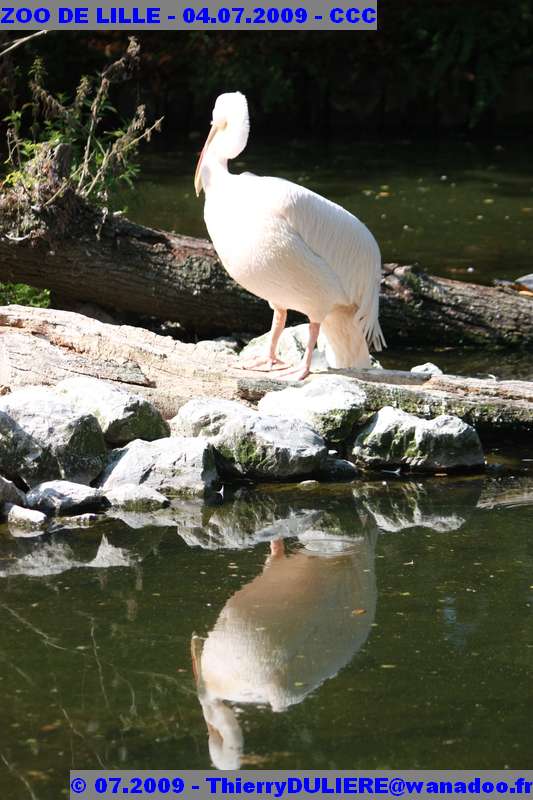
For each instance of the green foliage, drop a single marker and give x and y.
(471, 50)
(22, 295)
(102, 147)
(99, 152)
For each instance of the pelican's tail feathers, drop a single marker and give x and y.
(374, 335)
(367, 300)
(342, 335)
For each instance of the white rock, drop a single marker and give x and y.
(173, 466)
(9, 493)
(65, 498)
(394, 438)
(131, 497)
(427, 369)
(19, 518)
(205, 416)
(44, 437)
(216, 347)
(332, 405)
(271, 448)
(527, 281)
(123, 416)
(251, 444)
(291, 347)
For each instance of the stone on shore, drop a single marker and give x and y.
(44, 437)
(123, 416)
(250, 444)
(9, 493)
(332, 405)
(527, 281)
(427, 369)
(221, 346)
(270, 448)
(206, 416)
(291, 347)
(132, 497)
(394, 438)
(64, 498)
(24, 519)
(175, 466)
(338, 470)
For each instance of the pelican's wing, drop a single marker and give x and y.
(342, 242)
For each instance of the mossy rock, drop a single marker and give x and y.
(395, 439)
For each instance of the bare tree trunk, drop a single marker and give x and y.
(127, 268)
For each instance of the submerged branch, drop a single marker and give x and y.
(49, 641)
(22, 778)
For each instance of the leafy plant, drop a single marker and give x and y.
(23, 295)
(102, 147)
(57, 144)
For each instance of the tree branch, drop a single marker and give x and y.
(19, 42)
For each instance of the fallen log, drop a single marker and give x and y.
(43, 346)
(85, 256)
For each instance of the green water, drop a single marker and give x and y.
(451, 207)
(393, 631)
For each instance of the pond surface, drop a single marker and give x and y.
(458, 209)
(390, 625)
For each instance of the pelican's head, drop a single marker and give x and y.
(229, 132)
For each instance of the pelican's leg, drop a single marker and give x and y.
(304, 367)
(270, 360)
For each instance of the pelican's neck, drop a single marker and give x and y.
(227, 141)
(215, 173)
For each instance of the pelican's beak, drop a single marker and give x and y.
(197, 176)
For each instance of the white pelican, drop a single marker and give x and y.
(291, 247)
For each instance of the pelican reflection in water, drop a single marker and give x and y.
(283, 634)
